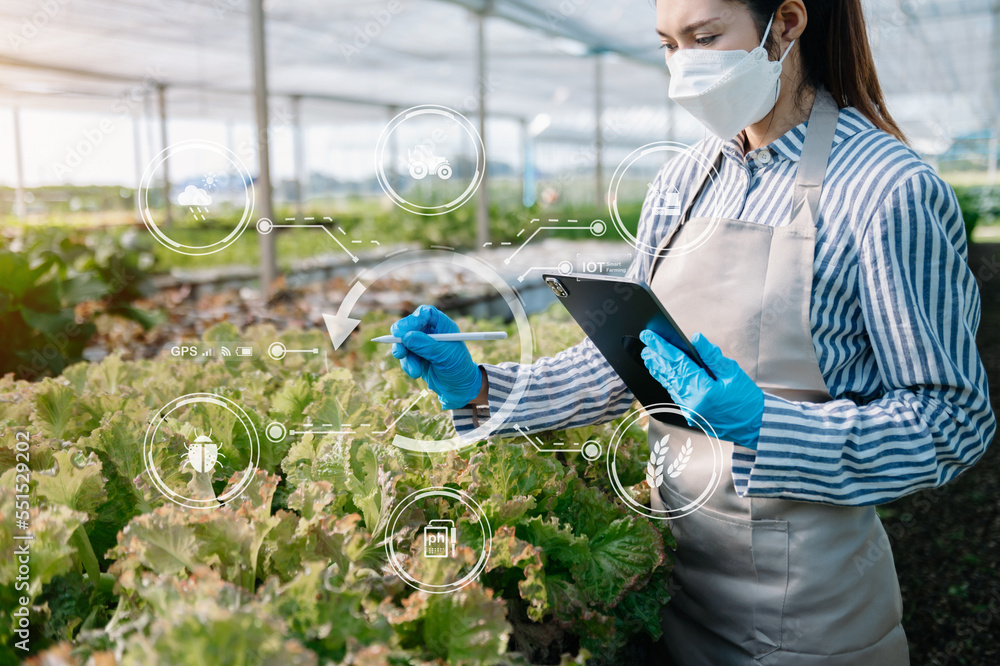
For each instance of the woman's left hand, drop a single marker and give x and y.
(732, 404)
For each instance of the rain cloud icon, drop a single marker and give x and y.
(196, 199)
(194, 196)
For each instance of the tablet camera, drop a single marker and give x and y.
(557, 287)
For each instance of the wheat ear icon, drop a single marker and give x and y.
(658, 456)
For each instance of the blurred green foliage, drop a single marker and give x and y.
(295, 570)
(52, 286)
(361, 219)
(368, 222)
(979, 204)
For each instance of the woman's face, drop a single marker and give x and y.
(705, 24)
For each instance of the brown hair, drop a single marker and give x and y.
(835, 54)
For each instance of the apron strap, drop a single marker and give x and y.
(662, 247)
(809, 179)
(705, 178)
(815, 155)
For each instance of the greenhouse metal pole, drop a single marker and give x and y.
(483, 218)
(300, 158)
(528, 168)
(995, 93)
(991, 157)
(147, 117)
(20, 209)
(598, 133)
(161, 99)
(268, 258)
(393, 152)
(137, 154)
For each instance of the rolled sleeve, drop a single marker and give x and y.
(932, 418)
(500, 380)
(576, 387)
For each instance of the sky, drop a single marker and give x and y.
(86, 148)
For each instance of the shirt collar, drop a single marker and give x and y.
(787, 146)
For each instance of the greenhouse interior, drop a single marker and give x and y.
(215, 214)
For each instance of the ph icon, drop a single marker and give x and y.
(439, 537)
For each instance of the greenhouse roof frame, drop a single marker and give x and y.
(580, 62)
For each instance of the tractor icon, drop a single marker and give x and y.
(423, 161)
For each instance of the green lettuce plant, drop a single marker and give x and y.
(295, 570)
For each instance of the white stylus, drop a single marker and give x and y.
(452, 337)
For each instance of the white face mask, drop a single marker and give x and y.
(726, 90)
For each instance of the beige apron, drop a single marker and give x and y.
(767, 581)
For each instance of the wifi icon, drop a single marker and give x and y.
(225, 350)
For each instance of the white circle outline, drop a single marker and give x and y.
(641, 151)
(219, 401)
(280, 426)
(717, 456)
(513, 300)
(277, 350)
(147, 178)
(462, 122)
(472, 505)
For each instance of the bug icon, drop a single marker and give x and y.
(203, 453)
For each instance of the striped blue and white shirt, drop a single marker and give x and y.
(894, 313)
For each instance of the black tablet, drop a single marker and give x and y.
(613, 311)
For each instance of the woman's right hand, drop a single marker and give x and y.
(447, 367)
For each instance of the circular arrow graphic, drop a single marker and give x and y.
(341, 325)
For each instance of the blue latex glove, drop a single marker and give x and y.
(447, 367)
(732, 403)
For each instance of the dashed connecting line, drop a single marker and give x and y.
(277, 350)
(347, 428)
(423, 393)
(564, 267)
(590, 449)
(597, 227)
(266, 226)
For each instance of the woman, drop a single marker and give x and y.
(842, 317)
